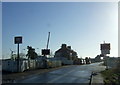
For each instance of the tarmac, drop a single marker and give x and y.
(10, 77)
(96, 77)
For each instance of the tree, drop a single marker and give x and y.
(31, 53)
(87, 60)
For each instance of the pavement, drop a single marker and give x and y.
(97, 79)
(67, 74)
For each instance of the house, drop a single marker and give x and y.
(66, 52)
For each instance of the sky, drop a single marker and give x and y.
(81, 25)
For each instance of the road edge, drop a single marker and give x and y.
(96, 79)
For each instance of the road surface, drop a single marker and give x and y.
(70, 74)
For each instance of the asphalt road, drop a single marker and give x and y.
(70, 74)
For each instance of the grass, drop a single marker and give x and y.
(111, 77)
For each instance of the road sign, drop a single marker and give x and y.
(105, 51)
(45, 51)
(105, 48)
(18, 40)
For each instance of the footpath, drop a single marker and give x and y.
(97, 79)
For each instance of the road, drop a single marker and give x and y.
(70, 74)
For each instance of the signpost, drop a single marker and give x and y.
(18, 40)
(105, 49)
(45, 52)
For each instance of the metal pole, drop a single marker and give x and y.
(48, 40)
(18, 58)
(106, 64)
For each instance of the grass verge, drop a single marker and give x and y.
(111, 77)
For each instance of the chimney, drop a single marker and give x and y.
(63, 46)
(69, 47)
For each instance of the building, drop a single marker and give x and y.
(66, 52)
